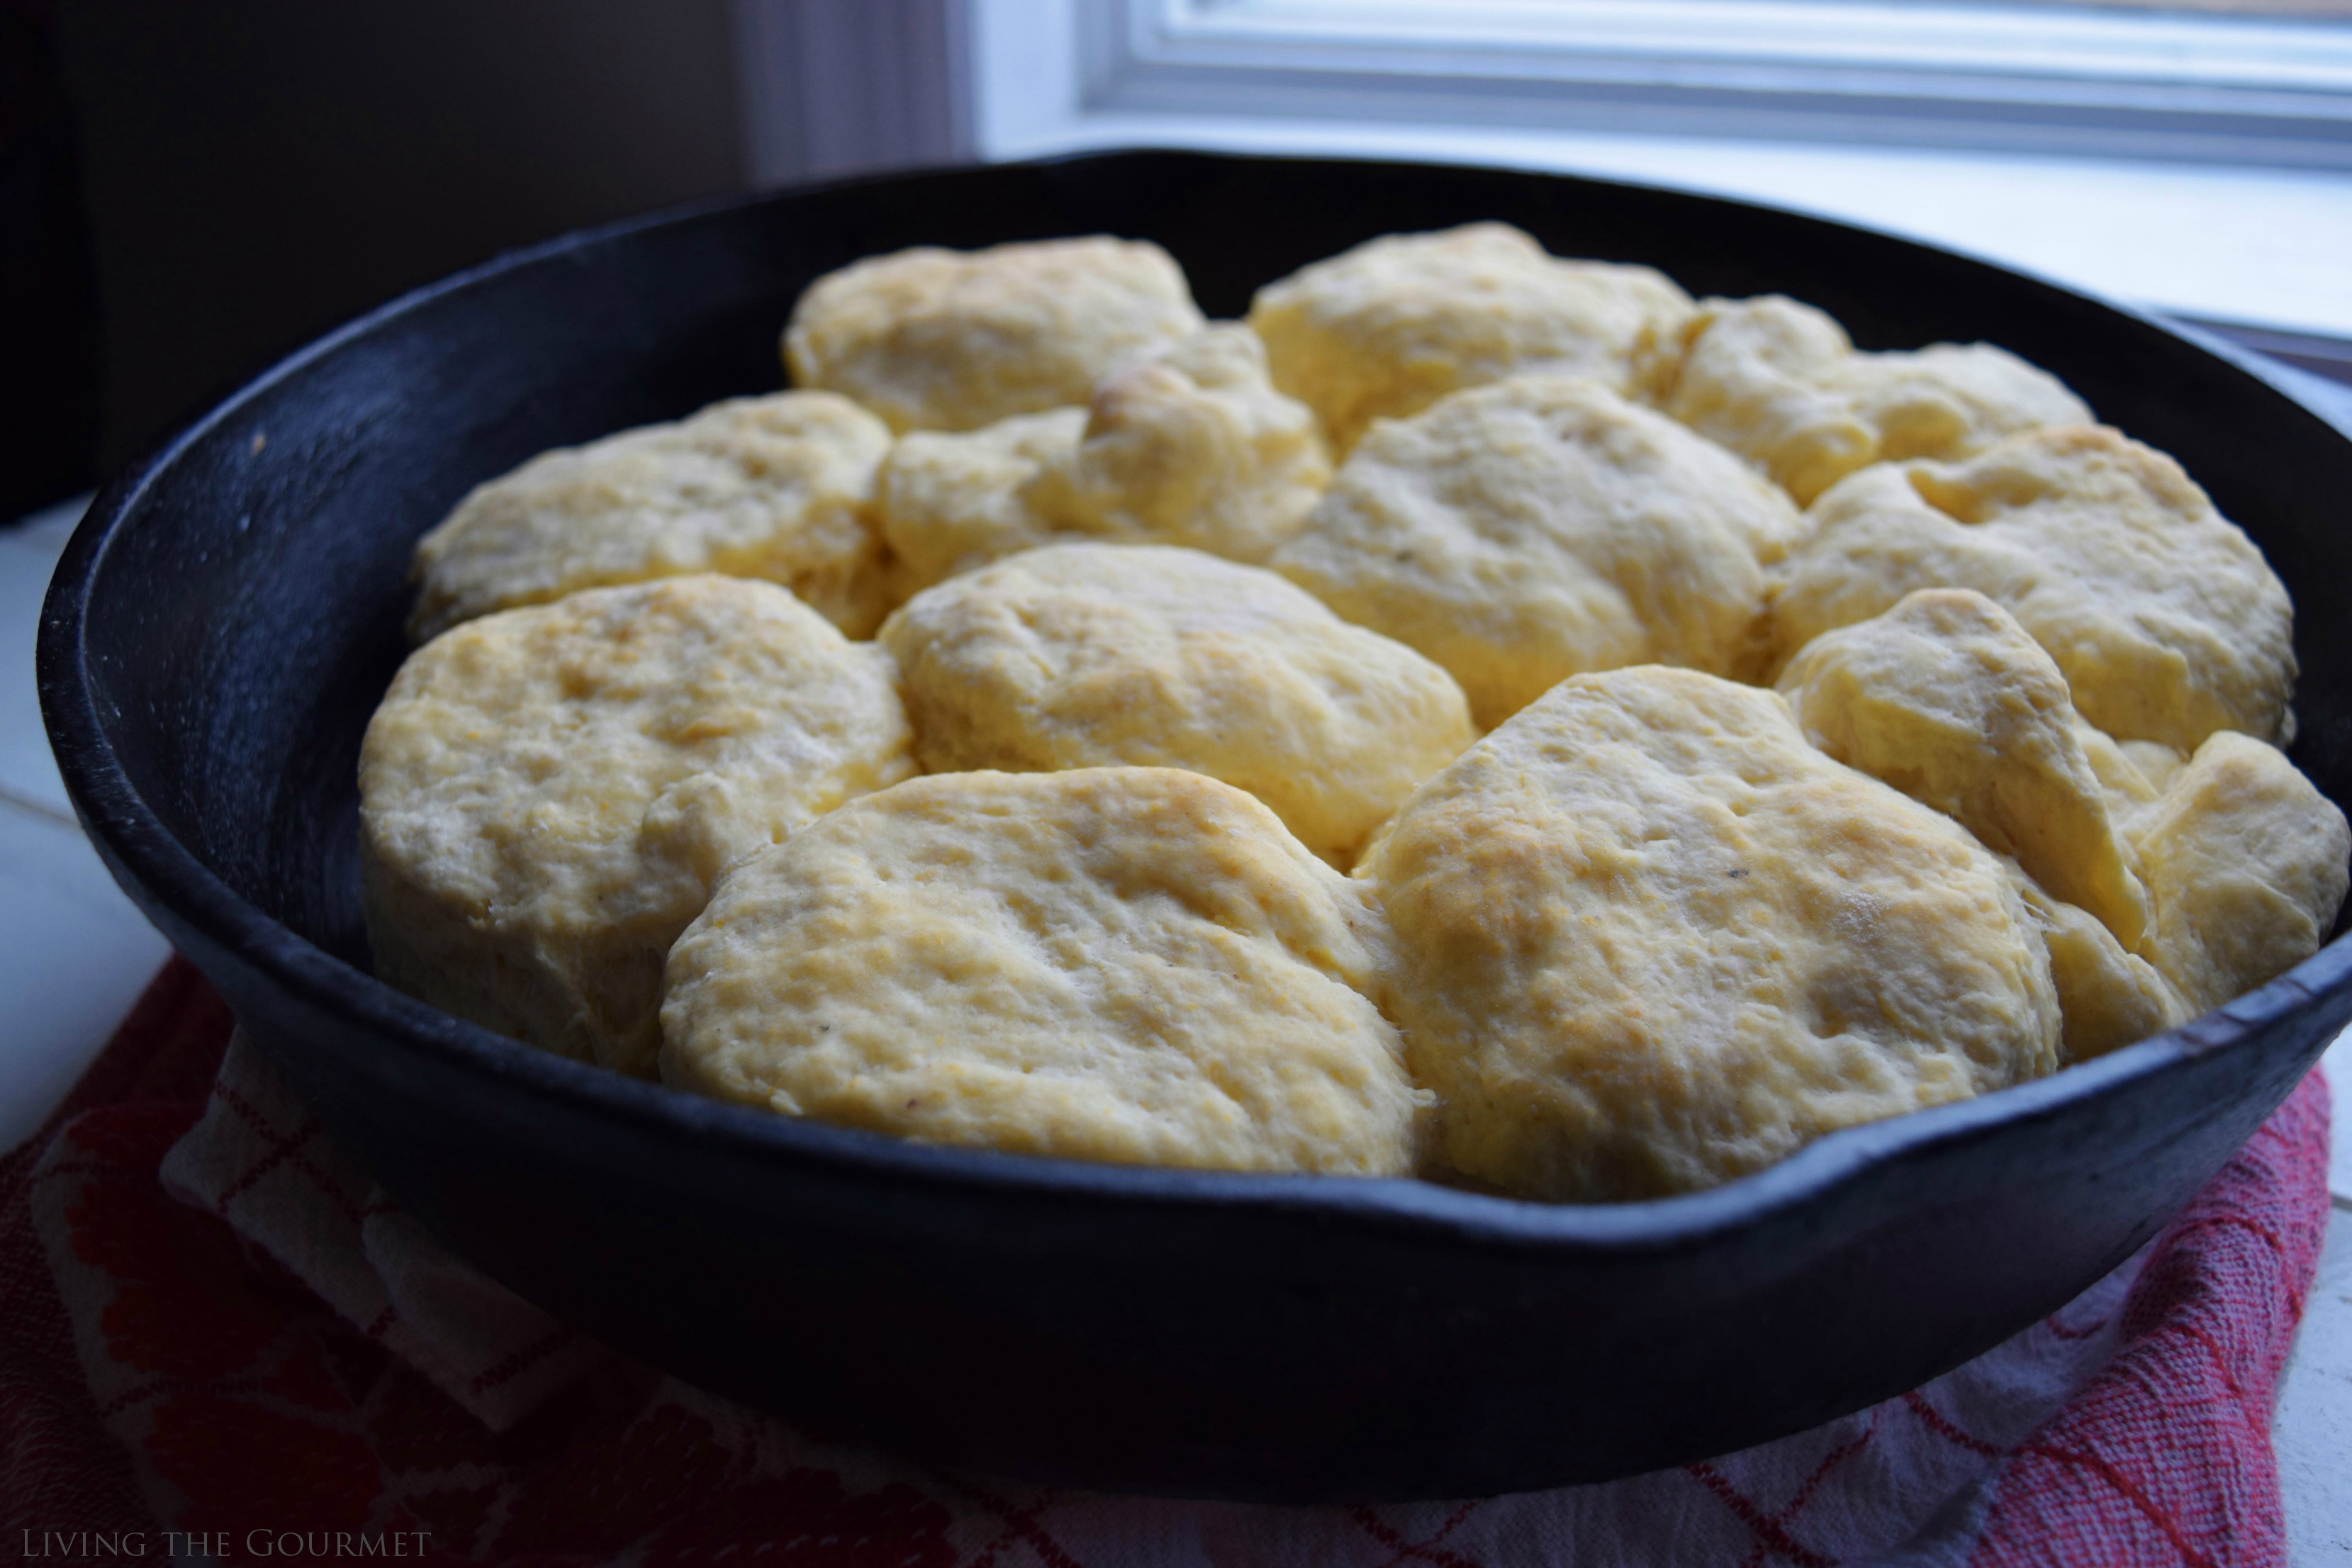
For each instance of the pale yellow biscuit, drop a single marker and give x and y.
(1387, 328)
(1094, 655)
(2165, 619)
(546, 794)
(779, 486)
(2245, 864)
(1649, 940)
(1132, 964)
(954, 500)
(1779, 383)
(2157, 764)
(2107, 997)
(2130, 773)
(1947, 697)
(1189, 444)
(1521, 532)
(945, 340)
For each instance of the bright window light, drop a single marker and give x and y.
(2196, 156)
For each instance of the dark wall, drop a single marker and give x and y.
(49, 348)
(257, 170)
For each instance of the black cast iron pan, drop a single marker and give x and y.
(227, 617)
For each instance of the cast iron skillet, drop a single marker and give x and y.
(225, 620)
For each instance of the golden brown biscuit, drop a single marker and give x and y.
(1084, 655)
(1387, 328)
(1133, 964)
(1521, 532)
(1651, 940)
(2165, 619)
(2245, 868)
(945, 340)
(1947, 697)
(1189, 444)
(779, 486)
(546, 794)
(1779, 383)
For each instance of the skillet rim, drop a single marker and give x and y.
(167, 878)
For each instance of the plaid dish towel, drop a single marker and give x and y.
(213, 1324)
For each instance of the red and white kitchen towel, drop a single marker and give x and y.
(211, 1323)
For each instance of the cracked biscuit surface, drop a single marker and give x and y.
(1130, 964)
(1649, 940)
(1389, 327)
(2107, 995)
(2163, 885)
(546, 794)
(1092, 655)
(951, 500)
(1522, 532)
(2245, 862)
(1947, 697)
(1780, 384)
(779, 488)
(1189, 444)
(947, 339)
(2164, 618)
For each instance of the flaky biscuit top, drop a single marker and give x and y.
(946, 340)
(1384, 330)
(547, 793)
(1131, 964)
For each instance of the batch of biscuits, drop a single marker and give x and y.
(1487, 716)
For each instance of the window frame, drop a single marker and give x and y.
(2203, 89)
(2235, 242)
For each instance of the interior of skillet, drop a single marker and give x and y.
(284, 527)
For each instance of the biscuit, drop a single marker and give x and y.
(1946, 698)
(546, 794)
(2165, 619)
(1521, 532)
(2245, 863)
(2130, 773)
(2156, 763)
(1130, 964)
(1387, 328)
(953, 500)
(1779, 383)
(945, 340)
(1649, 940)
(2107, 997)
(1081, 656)
(1189, 444)
(779, 486)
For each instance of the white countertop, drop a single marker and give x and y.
(74, 955)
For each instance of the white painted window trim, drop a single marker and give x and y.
(2216, 89)
(2249, 243)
